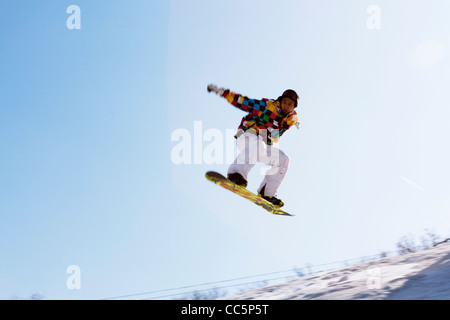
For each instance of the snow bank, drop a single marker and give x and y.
(420, 275)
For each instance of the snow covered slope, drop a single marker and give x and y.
(420, 275)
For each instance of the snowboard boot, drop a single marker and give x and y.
(272, 200)
(238, 179)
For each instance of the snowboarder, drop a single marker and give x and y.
(266, 122)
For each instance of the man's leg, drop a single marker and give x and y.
(279, 162)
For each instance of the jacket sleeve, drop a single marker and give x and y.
(252, 106)
(287, 123)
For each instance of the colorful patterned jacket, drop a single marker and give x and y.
(265, 116)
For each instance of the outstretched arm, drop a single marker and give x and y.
(244, 103)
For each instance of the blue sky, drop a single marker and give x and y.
(87, 116)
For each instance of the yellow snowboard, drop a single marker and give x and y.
(220, 180)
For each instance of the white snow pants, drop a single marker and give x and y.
(253, 149)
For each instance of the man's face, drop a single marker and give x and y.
(287, 105)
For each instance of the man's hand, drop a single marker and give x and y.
(217, 90)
